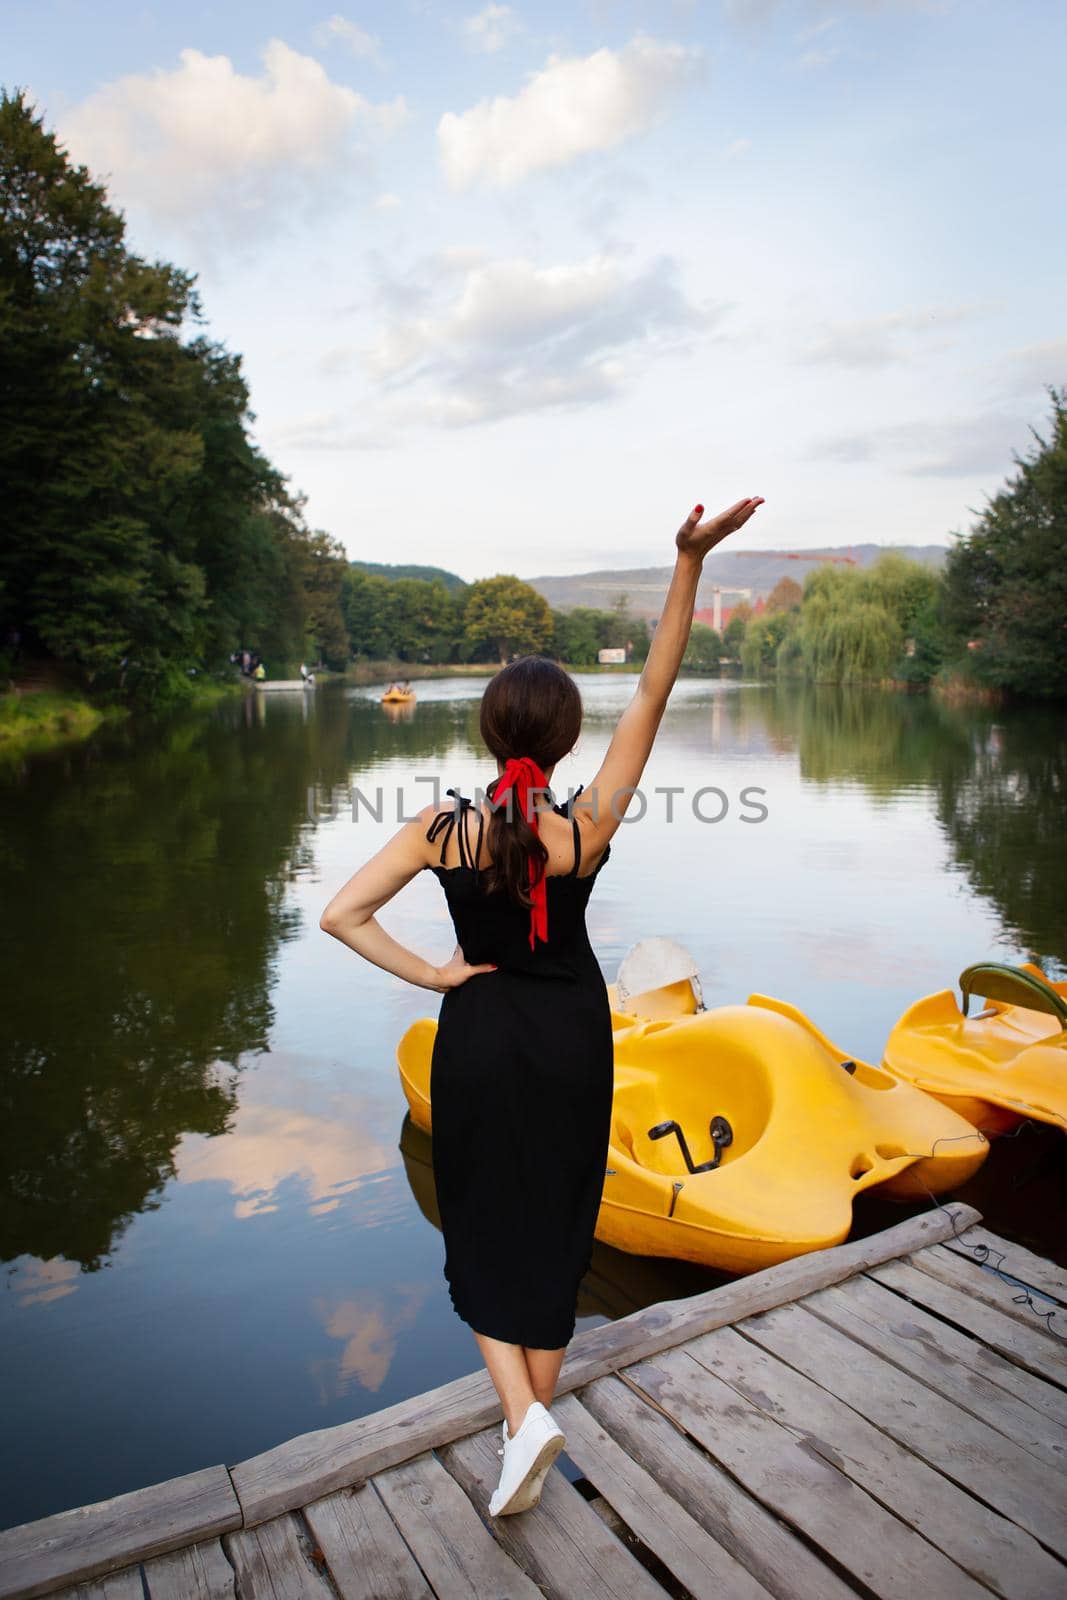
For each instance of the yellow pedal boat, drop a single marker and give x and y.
(396, 698)
(741, 1135)
(1006, 1062)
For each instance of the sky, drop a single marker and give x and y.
(516, 285)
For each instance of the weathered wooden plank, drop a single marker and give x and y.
(965, 1449)
(199, 1572)
(790, 1476)
(1026, 1346)
(1019, 1262)
(124, 1585)
(706, 1570)
(366, 1557)
(314, 1464)
(975, 1278)
(273, 1562)
(971, 1349)
(89, 1541)
(760, 1542)
(990, 1547)
(944, 1359)
(561, 1542)
(450, 1541)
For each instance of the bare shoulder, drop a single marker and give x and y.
(424, 817)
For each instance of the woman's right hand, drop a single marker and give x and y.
(457, 969)
(696, 538)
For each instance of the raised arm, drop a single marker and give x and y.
(603, 805)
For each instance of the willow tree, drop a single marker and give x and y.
(845, 635)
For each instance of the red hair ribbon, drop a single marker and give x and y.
(520, 775)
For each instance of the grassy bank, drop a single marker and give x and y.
(33, 720)
(30, 722)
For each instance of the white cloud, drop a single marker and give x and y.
(966, 447)
(490, 29)
(477, 340)
(325, 430)
(1035, 366)
(572, 106)
(337, 28)
(756, 11)
(877, 341)
(209, 149)
(812, 59)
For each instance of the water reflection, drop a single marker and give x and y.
(1005, 813)
(199, 1090)
(147, 879)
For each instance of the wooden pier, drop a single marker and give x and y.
(887, 1418)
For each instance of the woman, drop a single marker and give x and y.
(521, 1074)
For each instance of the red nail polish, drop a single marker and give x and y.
(698, 511)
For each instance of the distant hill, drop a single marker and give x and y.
(380, 569)
(756, 570)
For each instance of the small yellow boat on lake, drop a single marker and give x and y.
(398, 697)
(1006, 1062)
(741, 1135)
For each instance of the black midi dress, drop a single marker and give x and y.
(521, 1083)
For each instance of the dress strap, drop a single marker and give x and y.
(459, 817)
(445, 822)
(577, 832)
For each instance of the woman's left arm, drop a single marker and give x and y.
(350, 915)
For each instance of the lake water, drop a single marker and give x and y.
(218, 1231)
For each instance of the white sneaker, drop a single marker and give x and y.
(527, 1458)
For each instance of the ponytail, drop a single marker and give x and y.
(531, 714)
(518, 858)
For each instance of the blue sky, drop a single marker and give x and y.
(516, 285)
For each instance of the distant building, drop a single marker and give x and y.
(612, 657)
(706, 614)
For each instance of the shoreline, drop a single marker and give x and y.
(33, 722)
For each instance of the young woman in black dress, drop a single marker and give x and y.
(521, 1075)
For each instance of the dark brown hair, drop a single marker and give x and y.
(530, 708)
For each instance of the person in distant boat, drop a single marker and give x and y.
(522, 1070)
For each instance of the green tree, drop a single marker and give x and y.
(507, 616)
(148, 536)
(88, 341)
(1005, 601)
(322, 574)
(407, 619)
(703, 650)
(576, 635)
(733, 635)
(763, 639)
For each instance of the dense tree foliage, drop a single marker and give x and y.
(704, 650)
(1005, 600)
(146, 534)
(507, 616)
